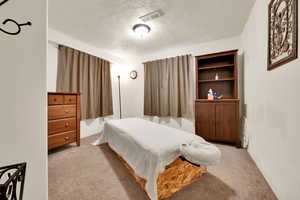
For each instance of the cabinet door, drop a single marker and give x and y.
(205, 120)
(226, 122)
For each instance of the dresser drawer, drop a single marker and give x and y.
(61, 111)
(61, 125)
(61, 139)
(63, 119)
(54, 99)
(70, 99)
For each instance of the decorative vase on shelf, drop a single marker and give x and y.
(217, 76)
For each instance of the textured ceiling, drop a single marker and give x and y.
(107, 24)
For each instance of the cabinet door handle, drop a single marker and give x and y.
(67, 125)
(67, 138)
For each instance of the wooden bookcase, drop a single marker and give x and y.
(217, 120)
(225, 65)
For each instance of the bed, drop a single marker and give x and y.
(151, 152)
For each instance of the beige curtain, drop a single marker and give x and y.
(168, 87)
(89, 75)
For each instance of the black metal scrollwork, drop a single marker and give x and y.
(13, 178)
(3, 2)
(18, 25)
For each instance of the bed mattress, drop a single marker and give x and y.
(146, 146)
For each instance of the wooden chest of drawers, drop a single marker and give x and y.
(63, 119)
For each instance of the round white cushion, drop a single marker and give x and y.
(201, 153)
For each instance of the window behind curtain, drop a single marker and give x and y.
(89, 75)
(169, 87)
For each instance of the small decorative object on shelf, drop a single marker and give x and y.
(217, 96)
(12, 180)
(210, 95)
(18, 25)
(283, 32)
(217, 76)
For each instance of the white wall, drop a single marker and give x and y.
(51, 66)
(23, 104)
(119, 67)
(134, 107)
(273, 110)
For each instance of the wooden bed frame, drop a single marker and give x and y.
(177, 175)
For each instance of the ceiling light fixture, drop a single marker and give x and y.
(141, 29)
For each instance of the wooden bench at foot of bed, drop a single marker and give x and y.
(176, 176)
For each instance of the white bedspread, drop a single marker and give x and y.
(146, 146)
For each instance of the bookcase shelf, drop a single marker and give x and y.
(224, 66)
(217, 66)
(219, 80)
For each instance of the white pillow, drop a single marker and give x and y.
(201, 153)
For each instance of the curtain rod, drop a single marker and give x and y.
(166, 58)
(57, 47)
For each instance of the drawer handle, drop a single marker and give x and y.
(67, 111)
(70, 99)
(67, 125)
(67, 138)
(54, 99)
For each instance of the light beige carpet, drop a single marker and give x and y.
(95, 173)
